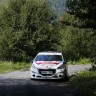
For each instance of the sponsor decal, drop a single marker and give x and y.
(47, 62)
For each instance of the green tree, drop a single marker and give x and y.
(25, 28)
(74, 42)
(85, 10)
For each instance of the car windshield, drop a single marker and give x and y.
(49, 58)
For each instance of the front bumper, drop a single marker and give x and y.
(58, 74)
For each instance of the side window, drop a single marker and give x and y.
(59, 58)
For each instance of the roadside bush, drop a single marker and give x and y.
(6, 67)
(85, 83)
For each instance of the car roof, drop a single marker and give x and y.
(49, 53)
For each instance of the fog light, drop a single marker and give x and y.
(33, 75)
(60, 75)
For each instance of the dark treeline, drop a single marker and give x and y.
(26, 28)
(84, 13)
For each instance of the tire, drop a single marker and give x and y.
(32, 79)
(93, 66)
(66, 77)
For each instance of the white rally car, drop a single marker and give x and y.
(48, 65)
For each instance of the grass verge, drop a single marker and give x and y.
(83, 61)
(85, 83)
(10, 66)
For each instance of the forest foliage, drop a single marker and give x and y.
(27, 27)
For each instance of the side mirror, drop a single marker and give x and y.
(66, 61)
(32, 61)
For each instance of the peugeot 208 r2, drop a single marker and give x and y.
(48, 65)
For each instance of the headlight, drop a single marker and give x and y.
(33, 66)
(61, 67)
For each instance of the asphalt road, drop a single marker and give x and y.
(18, 83)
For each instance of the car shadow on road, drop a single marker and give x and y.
(27, 87)
(52, 80)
